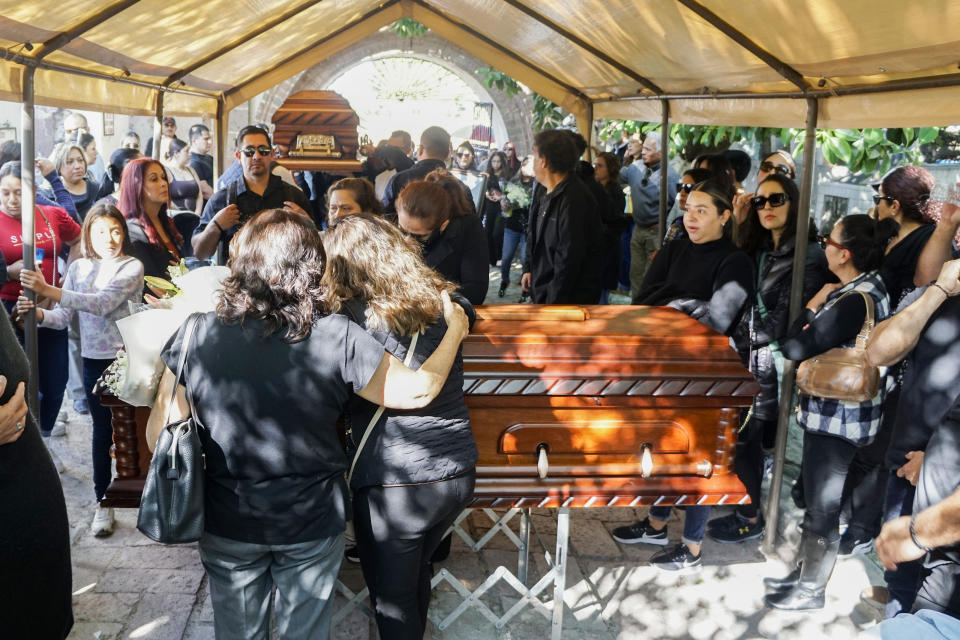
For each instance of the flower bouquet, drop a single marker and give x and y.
(517, 196)
(135, 374)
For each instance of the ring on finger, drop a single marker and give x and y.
(19, 426)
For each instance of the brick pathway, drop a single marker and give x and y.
(128, 587)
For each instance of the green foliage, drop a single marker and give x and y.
(491, 78)
(408, 28)
(546, 113)
(861, 150)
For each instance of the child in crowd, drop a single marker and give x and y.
(97, 287)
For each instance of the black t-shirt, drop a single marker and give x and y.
(929, 386)
(417, 446)
(268, 411)
(901, 263)
(203, 165)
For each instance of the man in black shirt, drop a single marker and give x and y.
(562, 265)
(200, 159)
(257, 189)
(432, 154)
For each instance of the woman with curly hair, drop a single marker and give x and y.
(269, 372)
(415, 471)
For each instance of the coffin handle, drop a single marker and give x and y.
(543, 465)
(646, 461)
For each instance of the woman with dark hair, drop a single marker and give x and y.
(453, 245)
(515, 213)
(514, 162)
(606, 171)
(154, 239)
(464, 157)
(55, 229)
(268, 389)
(348, 196)
(34, 532)
(779, 162)
(833, 429)
(498, 174)
(707, 277)
(689, 179)
(119, 160)
(415, 473)
(89, 146)
(96, 289)
(70, 162)
(768, 235)
(183, 182)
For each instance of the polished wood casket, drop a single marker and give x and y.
(320, 129)
(592, 406)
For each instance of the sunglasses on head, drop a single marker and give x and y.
(264, 151)
(775, 200)
(782, 169)
(825, 241)
(877, 198)
(684, 187)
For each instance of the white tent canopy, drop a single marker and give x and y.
(870, 62)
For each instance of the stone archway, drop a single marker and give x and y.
(512, 114)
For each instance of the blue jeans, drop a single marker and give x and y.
(512, 240)
(904, 581)
(243, 575)
(924, 625)
(102, 426)
(694, 524)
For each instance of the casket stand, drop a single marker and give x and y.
(571, 407)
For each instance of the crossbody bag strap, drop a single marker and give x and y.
(867, 327)
(188, 335)
(379, 412)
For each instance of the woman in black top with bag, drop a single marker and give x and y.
(768, 235)
(412, 471)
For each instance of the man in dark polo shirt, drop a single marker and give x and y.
(257, 189)
(200, 159)
(432, 154)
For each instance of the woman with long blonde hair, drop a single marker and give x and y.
(415, 470)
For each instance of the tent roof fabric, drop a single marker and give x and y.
(718, 61)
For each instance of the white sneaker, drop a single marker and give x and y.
(63, 416)
(59, 430)
(57, 462)
(102, 525)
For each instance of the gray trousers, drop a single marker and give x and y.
(643, 244)
(243, 576)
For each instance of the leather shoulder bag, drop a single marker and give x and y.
(843, 374)
(171, 507)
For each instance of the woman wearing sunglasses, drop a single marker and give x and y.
(779, 162)
(464, 158)
(833, 429)
(707, 277)
(768, 236)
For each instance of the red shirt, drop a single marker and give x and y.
(50, 237)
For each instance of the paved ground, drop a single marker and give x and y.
(128, 587)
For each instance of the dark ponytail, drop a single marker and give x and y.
(867, 239)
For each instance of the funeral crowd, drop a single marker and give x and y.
(347, 298)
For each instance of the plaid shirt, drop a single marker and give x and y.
(857, 422)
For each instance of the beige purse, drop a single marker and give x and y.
(843, 374)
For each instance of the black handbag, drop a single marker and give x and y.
(171, 507)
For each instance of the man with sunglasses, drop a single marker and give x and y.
(255, 190)
(644, 180)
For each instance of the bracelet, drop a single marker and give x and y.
(913, 535)
(217, 225)
(938, 286)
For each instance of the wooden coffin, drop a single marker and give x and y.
(574, 406)
(321, 131)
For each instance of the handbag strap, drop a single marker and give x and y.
(379, 412)
(864, 336)
(191, 328)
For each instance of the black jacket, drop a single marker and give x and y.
(418, 171)
(459, 254)
(155, 257)
(564, 245)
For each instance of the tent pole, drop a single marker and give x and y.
(28, 232)
(221, 131)
(664, 163)
(589, 133)
(158, 126)
(796, 303)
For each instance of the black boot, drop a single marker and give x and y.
(817, 559)
(784, 583)
(503, 289)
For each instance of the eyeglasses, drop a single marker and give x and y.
(685, 187)
(775, 200)
(782, 169)
(464, 154)
(264, 151)
(877, 198)
(823, 241)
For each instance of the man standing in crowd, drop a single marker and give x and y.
(168, 131)
(432, 154)
(256, 189)
(401, 140)
(200, 159)
(562, 265)
(644, 181)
